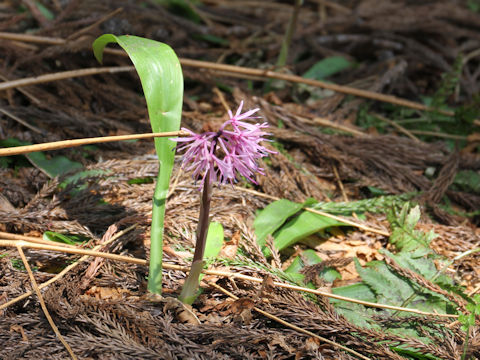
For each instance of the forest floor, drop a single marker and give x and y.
(397, 167)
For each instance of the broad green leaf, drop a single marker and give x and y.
(70, 239)
(55, 166)
(299, 228)
(359, 291)
(393, 289)
(273, 216)
(421, 265)
(162, 81)
(389, 288)
(295, 266)
(327, 67)
(52, 167)
(357, 314)
(214, 240)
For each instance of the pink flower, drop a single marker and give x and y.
(239, 148)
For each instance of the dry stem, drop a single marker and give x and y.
(42, 303)
(87, 141)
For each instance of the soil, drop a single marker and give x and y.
(328, 151)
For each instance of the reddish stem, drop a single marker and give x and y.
(203, 219)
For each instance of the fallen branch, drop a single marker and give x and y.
(87, 141)
(42, 303)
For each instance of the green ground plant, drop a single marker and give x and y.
(162, 81)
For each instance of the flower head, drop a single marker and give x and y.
(239, 149)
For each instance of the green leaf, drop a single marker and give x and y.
(295, 266)
(70, 239)
(162, 81)
(393, 289)
(380, 204)
(327, 67)
(412, 353)
(299, 228)
(388, 288)
(273, 216)
(421, 265)
(357, 314)
(214, 240)
(55, 166)
(52, 167)
(474, 5)
(359, 291)
(405, 237)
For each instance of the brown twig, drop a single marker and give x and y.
(95, 24)
(21, 121)
(42, 303)
(8, 243)
(37, 240)
(62, 75)
(291, 326)
(342, 188)
(438, 134)
(87, 141)
(327, 123)
(217, 92)
(397, 126)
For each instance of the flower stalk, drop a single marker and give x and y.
(189, 290)
(219, 156)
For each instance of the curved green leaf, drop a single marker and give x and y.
(300, 227)
(162, 82)
(274, 215)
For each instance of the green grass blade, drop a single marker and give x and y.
(162, 81)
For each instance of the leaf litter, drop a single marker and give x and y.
(100, 307)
